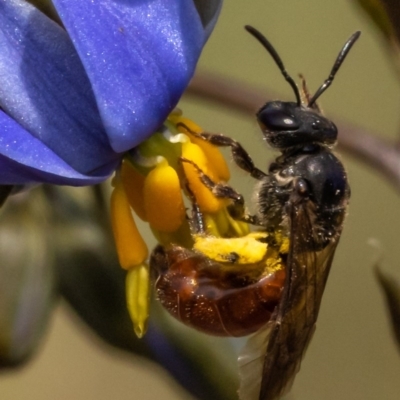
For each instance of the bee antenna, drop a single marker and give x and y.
(271, 50)
(339, 60)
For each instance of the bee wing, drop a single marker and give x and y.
(251, 362)
(286, 337)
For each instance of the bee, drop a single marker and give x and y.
(272, 280)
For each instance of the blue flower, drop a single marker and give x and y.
(73, 101)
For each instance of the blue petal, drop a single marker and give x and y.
(25, 159)
(139, 56)
(44, 87)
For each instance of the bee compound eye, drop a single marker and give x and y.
(277, 119)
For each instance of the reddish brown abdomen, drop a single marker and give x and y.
(219, 299)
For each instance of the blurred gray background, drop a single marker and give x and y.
(352, 355)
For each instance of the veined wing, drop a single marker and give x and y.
(286, 337)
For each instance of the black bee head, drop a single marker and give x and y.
(286, 124)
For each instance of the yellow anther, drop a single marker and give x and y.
(205, 198)
(131, 248)
(163, 199)
(212, 152)
(137, 287)
(133, 183)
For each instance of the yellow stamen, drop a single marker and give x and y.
(207, 202)
(222, 224)
(133, 183)
(211, 225)
(131, 248)
(163, 199)
(212, 152)
(219, 222)
(138, 297)
(236, 228)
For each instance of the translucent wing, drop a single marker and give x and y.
(286, 337)
(251, 362)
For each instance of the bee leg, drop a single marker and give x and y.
(196, 221)
(223, 191)
(239, 154)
